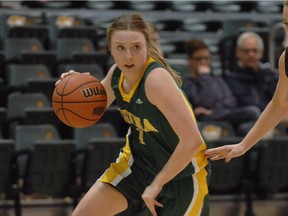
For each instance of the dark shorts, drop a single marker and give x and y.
(187, 196)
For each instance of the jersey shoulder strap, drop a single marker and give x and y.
(286, 62)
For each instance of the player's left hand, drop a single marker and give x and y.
(149, 197)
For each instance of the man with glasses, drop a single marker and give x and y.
(252, 82)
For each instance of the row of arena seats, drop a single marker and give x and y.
(50, 33)
(34, 108)
(48, 166)
(25, 59)
(28, 104)
(260, 174)
(214, 6)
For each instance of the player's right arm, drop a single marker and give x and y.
(106, 82)
(270, 117)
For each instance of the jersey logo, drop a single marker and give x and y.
(138, 101)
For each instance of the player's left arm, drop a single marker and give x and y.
(163, 92)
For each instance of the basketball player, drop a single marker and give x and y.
(270, 117)
(161, 170)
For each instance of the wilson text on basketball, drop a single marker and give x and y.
(89, 92)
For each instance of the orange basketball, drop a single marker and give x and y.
(79, 100)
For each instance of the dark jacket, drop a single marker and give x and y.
(210, 92)
(253, 87)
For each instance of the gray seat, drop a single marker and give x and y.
(94, 69)
(18, 75)
(101, 153)
(45, 86)
(3, 120)
(14, 46)
(212, 130)
(49, 168)
(18, 102)
(231, 178)
(49, 171)
(8, 180)
(82, 136)
(66, 47)
(26, 135)
(271, 172)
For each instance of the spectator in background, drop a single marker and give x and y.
(252, 82)
(210, 96)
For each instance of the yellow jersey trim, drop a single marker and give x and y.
(127, 97)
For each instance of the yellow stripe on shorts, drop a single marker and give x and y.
(121, 168)
(200, 191)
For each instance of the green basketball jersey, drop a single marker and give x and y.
(152, 140)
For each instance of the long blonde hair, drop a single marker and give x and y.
(285, 2)
(136, 22)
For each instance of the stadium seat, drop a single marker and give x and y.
(46, 115)
(31, 31)
(67, 47)
(2, 65)
(3, 121)
(82, 136)
(185, 6)
(81, 31)
(45, 86)
(11, 19)
(198, 25)
(27, 135)
(271, 173)
(99, 5)
(97, 57)
(49, 171)
(18, 102)
(143, 5)
(215, 130)
(9, 178)
(19, 74)
(233, 178)
(94, 69)
(13, 47)
(45, 57)
(269, 7)
(101, 153)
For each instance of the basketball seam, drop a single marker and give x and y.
(81, 116)
(62, 104)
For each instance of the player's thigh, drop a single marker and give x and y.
(98, 201)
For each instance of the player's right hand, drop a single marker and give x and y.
(65, 74)
(226, 152)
